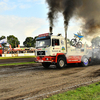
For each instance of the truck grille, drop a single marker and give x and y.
(40, 52)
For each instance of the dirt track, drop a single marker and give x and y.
(27, 81)
(3, 61)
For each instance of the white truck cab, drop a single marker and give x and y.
(49, 45)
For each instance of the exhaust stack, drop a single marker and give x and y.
(50, 29)
(66, 38)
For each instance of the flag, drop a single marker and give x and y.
(3, 41)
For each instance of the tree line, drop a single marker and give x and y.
(14, 42)
(30, 41)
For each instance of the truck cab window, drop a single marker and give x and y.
(55, 42)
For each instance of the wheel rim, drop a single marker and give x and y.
(85, 61)
(79, 45)
(61, 63)
(73, 42)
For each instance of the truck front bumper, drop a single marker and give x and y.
(45, 59)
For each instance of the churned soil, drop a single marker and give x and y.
(30, 82)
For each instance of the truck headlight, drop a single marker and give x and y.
(46, 58)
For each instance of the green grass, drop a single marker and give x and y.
(17, 57)
(91, 92)
(22, 63)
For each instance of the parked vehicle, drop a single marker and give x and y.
(1, 50)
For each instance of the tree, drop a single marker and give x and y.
(3, 37)
(30, 42)
(13, 41)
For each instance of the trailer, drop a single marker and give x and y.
(54, 50)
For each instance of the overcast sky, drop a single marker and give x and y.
(28, 18)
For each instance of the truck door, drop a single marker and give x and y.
(55, 46)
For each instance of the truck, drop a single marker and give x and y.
(53, 50)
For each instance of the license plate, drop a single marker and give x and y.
(40, 60)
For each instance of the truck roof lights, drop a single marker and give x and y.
(42, 35)
(45, 34)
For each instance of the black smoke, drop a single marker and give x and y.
(90, 13)
(66, 7)
(87, 10)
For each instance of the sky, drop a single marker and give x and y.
(28, 18)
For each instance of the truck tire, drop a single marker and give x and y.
(46, 64)
(85, 62)
(60, 62)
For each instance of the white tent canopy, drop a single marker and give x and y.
(3, 41)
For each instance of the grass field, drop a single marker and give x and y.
(91, 92)
(22, 63)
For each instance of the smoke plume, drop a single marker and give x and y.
(87, 10)
(66, 7)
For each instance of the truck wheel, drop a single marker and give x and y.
(46, 65)
(60, 62)
(85, 62)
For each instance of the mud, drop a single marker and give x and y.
(95, 73)
(27, 82)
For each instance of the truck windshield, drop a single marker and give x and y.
(43, 43)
